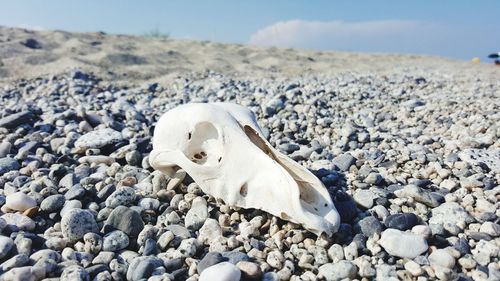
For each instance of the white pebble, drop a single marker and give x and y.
(19, 201)
(224, 271)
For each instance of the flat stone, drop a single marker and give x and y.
(235, 257)
(22, 222)
(450, 212)
(364, 198)
(430, 199)
(223, 271)
(16, 261)
(210, 259)
(16, 119)
(98, 138)
(344, 161)
(8, 164)
(402, 244)
(74, 192)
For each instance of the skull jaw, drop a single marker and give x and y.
(267, 186)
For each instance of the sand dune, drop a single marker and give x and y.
(122, 58)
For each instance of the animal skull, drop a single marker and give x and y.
(221, 147)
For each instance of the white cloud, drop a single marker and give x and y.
(403, 36)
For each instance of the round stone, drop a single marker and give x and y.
(76, 223)
(338, 271)
(115, 241)
(52, 203)
(441, 257)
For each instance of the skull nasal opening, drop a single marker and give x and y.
(204, 145)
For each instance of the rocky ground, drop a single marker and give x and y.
(412, 163)
(411, 157)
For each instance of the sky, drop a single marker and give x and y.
(458, 29)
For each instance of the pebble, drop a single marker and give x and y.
(6, 245)
(235, 257)
(414, 268)
(142, 267)
(441, 257)
(210, 231)
(450, 212)
(74, 273)
(22, 222)
(115, 241)
(249, 270)
(370, 225)
(197, 215)
(126, 220)
(19, 201)
(208, 260)
(76, 223)
(123, 196)
(224, 271)
(402, 244)
(98, 139)
(275, 259)
(337, 271)
(364, 198)
(401, 221)
(490, 228)
(420, 195)
(16, 119)
(344, 161)
(52, 203)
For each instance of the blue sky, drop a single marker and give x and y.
(459, 29)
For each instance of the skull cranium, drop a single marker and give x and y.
(221, 147)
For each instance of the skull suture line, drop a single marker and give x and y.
(221, 147)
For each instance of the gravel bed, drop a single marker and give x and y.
(412, 161)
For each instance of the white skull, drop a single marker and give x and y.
(221, 147)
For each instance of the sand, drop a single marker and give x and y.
(139, 59)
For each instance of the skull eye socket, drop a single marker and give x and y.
(205, 145)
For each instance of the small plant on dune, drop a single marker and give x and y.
(157, 33)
